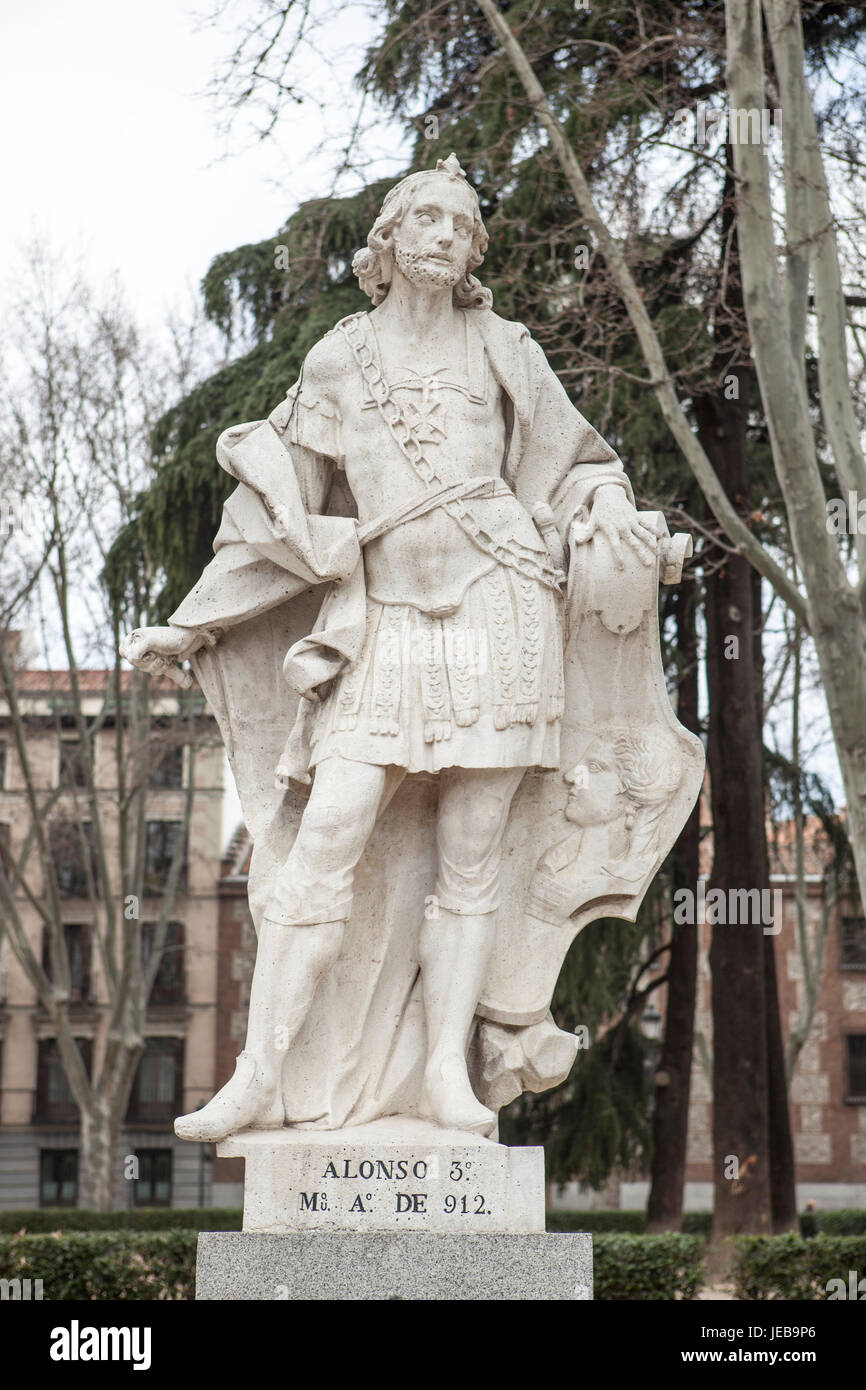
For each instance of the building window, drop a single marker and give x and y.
(856, 1058)
(158, 1086)
(74, 757)
(169, 987)
(77, 938)
(853, 955)
(68, 854)
(162, 838)
(54, 1102)
(166, 764)
(58, 1177)
(153, 1184)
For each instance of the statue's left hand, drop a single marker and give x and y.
(614, 517)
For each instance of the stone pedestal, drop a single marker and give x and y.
(343, 1266)
(399, 1174)
(396, 1209)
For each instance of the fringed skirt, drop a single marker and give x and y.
(480, 687)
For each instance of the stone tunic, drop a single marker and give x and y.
(461, 663)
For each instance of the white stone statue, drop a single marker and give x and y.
(429, 634)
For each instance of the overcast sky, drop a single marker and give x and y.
(109, 145)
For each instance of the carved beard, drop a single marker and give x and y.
(420, 271)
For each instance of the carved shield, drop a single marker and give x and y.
(618, 727)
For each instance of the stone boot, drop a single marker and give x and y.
(448, 1100)
(245, 1101)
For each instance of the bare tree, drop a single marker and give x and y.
(776, 305)
(833, 608)
(80, 396)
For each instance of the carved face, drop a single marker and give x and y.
(432, 243)
(595, 795)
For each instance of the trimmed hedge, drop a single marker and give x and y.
(607, 1222)
(845, 1222)
(104, 1265)
(848, 1221)
(657, 1268)
(161, 1265)
(133, 1219)
(789, 1267)
(695, 1223)
(137, 1265)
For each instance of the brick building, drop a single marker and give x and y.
(827, 1092)
(39, 1138)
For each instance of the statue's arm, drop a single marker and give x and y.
(303, 434)
(308, 422)
(582, 477)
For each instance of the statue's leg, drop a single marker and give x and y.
(456, 940)
(300, 939)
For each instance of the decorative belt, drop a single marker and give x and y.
(410, 511)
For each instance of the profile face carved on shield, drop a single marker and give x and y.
(616, 797)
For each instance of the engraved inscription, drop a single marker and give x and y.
(412, 1188)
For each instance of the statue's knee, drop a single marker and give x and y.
(326, 819)
(467, 833)
(337, 822)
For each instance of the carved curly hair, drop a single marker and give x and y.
(649, 775)
(374, 263)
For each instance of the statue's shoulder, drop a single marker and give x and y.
(330, 360)
(508, 332)
(516, 355)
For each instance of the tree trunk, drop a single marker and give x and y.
(747, 1037)
(740, 1080)
(673, 1076)
(740, 1088)
(100, 1133)
(783, 1189)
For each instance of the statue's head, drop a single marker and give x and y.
(429, 226)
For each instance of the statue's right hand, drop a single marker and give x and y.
(158, 649)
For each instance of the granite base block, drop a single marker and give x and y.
(345, 1266)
